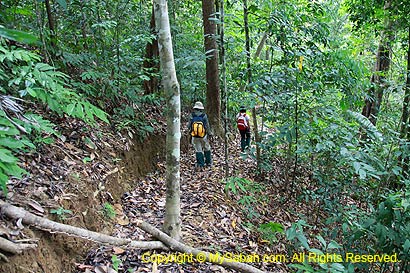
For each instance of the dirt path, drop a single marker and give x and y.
(211, 219)
(79, 175)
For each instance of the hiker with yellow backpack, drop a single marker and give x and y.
(199, 131)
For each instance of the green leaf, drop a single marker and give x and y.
(62, 3)
(18, 36)
(338, 267)
(366, 124)
(303, 240)
(315, 250)
(333, 245)
(70, 108)
(306, 267)
(6, 156)
(11, 143)
(241, 186)
(3, 182)
(32, 92)
(12, 169)
(101, 115)
(149, 129)
(321, 240)
(406, 246)
(79, 111)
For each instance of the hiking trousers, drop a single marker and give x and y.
(202, 151)
(201, 144)
(245, 138)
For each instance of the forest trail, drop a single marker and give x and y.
(77, 177)
(211, 219)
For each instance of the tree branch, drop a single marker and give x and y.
(165, 240)
(14, 248)
(178, 246)
(54, 227)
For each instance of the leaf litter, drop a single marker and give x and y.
(213, 219)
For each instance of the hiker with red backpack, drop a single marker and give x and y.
(199, 131)
(242, 122)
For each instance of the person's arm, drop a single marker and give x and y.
(248, 120)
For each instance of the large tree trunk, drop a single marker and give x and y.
(172, 222)
(150, 64)
(213, 100)
(249, 80)
(383, 58)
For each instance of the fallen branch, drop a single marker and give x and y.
(14, 248)
(54, 227)
(165, 241)
(178, 246)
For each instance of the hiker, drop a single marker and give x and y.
(243, 124)
(199, 130)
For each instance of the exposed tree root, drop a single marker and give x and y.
(178, 246)
(54, 227)
(165, 241)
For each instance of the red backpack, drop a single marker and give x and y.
(241, 122)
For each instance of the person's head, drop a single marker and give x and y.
(242, 109)
(198, 106)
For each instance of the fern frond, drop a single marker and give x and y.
(365, 123)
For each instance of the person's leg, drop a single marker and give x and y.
(199, 155)
(207, 149)
(247, 138)
(243, 141)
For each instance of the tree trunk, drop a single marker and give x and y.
(249, 80)
(39, 17)
(383, 58)
(261, 45)
(83, 25)
(51, 25)
(224, 89)
(404, 128)
(172, 222)
(150, 64)
(213, 100)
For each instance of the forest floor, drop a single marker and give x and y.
(73, 180)
(214, 219)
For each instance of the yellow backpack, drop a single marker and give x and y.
(198, 128)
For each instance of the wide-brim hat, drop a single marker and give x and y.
(198, 105)
(242, 108)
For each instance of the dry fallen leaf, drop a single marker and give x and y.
(19, 223)
(104, 269)
(117, 250)
(233, 224)
(154, 267)
(123, 220)
(35, 205)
